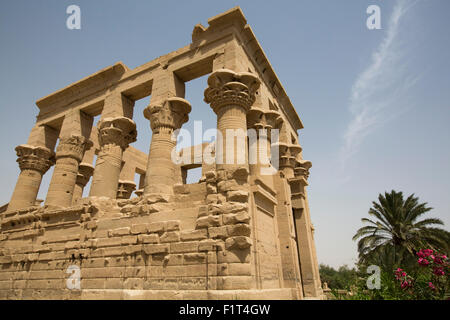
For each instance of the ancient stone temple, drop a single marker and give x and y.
(236, 234)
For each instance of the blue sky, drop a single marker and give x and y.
(374, 103)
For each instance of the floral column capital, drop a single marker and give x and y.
(120, 131)
(288, 154)
(226, 87)
(73, 147)
(34, 158)
(301, 169)
(260, 119)
(171, 114)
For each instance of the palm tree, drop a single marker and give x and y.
(397, 230)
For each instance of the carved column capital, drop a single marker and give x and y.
(85, 171)
(288, 154)
(120, 131)
(260, 119)
(301, 169)
(34, 158)
(170, 114)
(229, 88)
(125, 189)
(73, 147)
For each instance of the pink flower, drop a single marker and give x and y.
(431, 286)
(438, 260)
(423, 262)
(439, 271)
(425, 253)
(405, 284)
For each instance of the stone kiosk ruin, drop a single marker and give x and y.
(236, 234)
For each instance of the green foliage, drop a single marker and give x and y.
(340, 279)
(426, 281)
(392, 238)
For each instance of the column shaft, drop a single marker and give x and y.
(107, 172)
(231, 95)
(69, 153)
(85, 171)
(164, 118)
(232, 154)
(161, 169)
(60, 191)
(77, 192)
(305, 251)
(33, 163)
(26, 190)
(115, 134)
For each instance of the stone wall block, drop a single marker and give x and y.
(193, 235)
(170, 236)
(240, 229)
(238, 242)
(119, 232)
(148, 238)
(182, 247)
(156, 248)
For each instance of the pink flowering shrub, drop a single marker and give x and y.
(431, 281)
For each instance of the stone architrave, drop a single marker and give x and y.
(164, 119)
(114, 136)
(34, 162)
(69, 154)
(231, 95)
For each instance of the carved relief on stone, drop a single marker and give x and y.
(227, 88)
(85, 171)
(34, 158)
(120, 131)
(73, 147)
(171, 114)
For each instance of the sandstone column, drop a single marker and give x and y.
(262, 121)
(114, 136)
(305, 240)
(69, 154)
(33, 163)
(73, 142)
(287, 234)
(288, 154)
(85, 171)
(231, 95)
(164, 118)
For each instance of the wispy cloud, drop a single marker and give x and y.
(377, 91)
